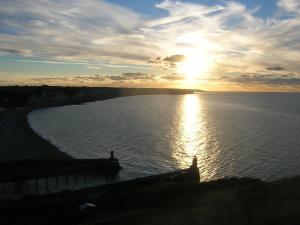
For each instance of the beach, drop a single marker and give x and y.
(18, 141)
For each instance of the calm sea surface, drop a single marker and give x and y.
(233, 134)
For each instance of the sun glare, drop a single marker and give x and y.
(196, 64)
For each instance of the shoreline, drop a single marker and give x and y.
(50, 149)
(19, 141)
(16, 133)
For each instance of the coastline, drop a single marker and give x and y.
(18, 141)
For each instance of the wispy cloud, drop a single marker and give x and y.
(174, 77)
(286, 79)
(51, 62)
(96, 79)
(275, 68)
(99, 34)
(71, 30)
(290, 5)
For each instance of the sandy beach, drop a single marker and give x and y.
(18, 141)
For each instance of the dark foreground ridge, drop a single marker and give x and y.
(164, 200)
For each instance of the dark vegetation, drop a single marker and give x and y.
(226, 201)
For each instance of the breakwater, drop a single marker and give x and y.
(20, 176)
(36, 177)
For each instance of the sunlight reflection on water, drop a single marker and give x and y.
(190, 121)
(194, 137)
(231, 134)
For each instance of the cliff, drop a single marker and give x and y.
(12, 96)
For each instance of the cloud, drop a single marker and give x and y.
(70, 79)
(95, 78)
(168, 62)
(289, 5)
(51, 62)
(71, 30)
(275, 68)
(267, 79)
(175, 77)
(175, 58)
(11, 51)
(232, 34)
(123, 80)
(132, 76)
(99, 34)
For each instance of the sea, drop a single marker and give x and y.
(232, 134)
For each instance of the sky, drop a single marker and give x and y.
(213, 45)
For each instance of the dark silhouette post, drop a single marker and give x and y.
(195, 162)
(194, 170)
(112, 155)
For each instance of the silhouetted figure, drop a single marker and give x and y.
(112, 155)
(195, 162)
(194, 170)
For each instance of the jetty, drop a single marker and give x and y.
(19, 173)
(189, 175)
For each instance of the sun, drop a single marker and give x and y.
(197, 63)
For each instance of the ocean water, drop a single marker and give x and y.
(232, 134)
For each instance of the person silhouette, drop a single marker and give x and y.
(195, 162)
(112, 155)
